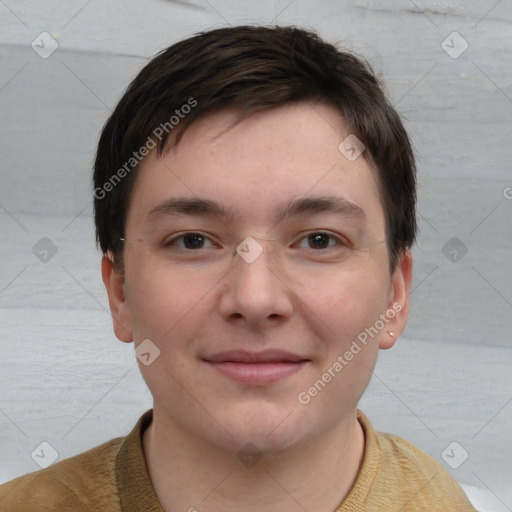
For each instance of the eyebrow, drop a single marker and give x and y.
(198, 206)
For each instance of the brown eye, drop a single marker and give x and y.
(189, 240)
(318, 240)
(322, 240)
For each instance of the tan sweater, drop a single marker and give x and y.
(395, 476)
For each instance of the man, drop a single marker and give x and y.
(255, 206)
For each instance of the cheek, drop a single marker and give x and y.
(350, 306)
(162, 300)
(347, 302)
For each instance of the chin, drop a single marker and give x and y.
(270, 431)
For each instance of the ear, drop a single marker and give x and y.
(114, 283)
(398, 301)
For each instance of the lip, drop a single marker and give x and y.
(266, 356)
(256, 368)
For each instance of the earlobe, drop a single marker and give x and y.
(398, 302)
(114, 284)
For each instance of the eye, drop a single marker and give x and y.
(321, 240)
(191, 240)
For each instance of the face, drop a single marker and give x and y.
(260, 306)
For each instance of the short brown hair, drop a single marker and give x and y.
(250, 69)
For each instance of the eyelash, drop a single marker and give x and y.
(171, 242)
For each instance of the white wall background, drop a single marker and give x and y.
(65, 379)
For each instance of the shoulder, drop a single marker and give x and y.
(423, 483)
(84, 482)
(397, 476)
(401, 453)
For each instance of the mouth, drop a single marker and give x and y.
(256, 368)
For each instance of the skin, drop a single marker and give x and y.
(192, 303)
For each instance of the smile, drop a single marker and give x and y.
(257, 368)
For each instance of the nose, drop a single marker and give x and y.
(255, 292)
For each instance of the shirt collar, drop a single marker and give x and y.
(357, 497)
(136, 491)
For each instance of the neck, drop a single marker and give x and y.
(191, 475)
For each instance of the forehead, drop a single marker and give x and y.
(259, 165)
